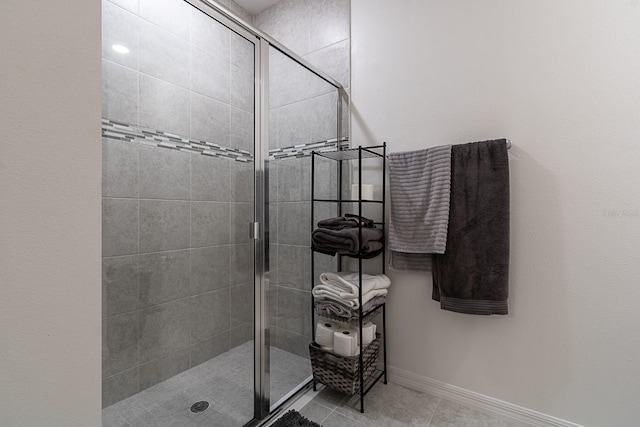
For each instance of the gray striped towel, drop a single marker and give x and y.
(420, 188)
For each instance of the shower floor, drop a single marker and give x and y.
(226, 382)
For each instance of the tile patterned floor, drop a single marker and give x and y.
(225, 381)
(392, 405)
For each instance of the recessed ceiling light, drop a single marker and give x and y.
(120, 49)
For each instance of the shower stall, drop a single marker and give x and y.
(207, 128)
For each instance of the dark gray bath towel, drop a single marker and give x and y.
(472, 276)
(346, 221)
(420, 186)
(347, 241)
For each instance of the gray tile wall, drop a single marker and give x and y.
(181, 74)
(302, 110)
(177, 289)
(317, 30)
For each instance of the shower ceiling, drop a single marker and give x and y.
(256, 6)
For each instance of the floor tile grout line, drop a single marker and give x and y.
(345, 400)
(434, 411)
(330, 413)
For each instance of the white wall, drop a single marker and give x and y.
(50, 163)
(561, 79)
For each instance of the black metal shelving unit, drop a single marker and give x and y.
(355, 154)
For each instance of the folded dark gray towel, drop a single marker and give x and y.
(346, 221)
(347, 241)
(472, 276)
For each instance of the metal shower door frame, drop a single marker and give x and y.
(260, 226)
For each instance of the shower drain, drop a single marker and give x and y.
(198, 407)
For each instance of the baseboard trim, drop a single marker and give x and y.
(475, 400)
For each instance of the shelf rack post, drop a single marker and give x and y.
(360, 280)
(384, 255)
(313, 257)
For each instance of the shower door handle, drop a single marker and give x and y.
(254, 230)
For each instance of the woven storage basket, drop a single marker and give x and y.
(342, 373)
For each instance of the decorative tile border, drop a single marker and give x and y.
(125, 132)
(304, 150)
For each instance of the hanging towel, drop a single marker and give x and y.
(347, 241)
(473, 274)
(420, 186)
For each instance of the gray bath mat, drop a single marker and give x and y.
(294, 419)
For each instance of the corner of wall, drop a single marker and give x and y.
(50, 173)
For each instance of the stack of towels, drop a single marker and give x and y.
(343, 340)
(338, 293)
(342, 235)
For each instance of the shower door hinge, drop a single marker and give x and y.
(254, 230)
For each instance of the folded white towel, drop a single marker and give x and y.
(344, 284)
(321, 291)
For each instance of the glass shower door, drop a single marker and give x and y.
(179, 120)
(302, 117)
